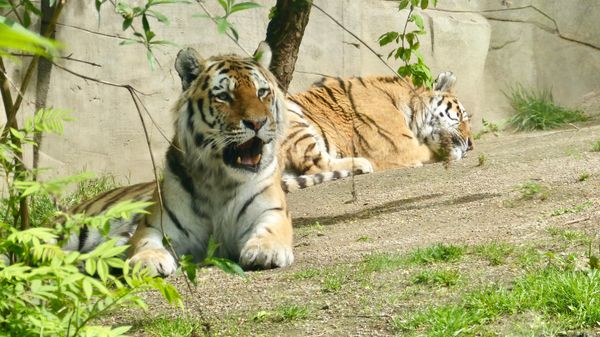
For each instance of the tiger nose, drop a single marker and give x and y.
(254, 124)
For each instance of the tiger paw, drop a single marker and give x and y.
(158, 261)
(362, 165)
(262, 253)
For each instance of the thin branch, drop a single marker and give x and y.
(14, 10)
(576, 221)
(209, 14)
(68, 58)
(366, 45)
(118, 85)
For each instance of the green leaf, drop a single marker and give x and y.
(403, 4)
(418, 21)
(225, 265)
(16, 37)
(86, 285)
(127, 23)
(387, 38)
(145, 24)
(159, 16)
(222, 25)
(243, 6)
(424, 4)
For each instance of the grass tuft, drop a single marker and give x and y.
(172, 327)
(596, 146)
(437, 253)
(283, 313)
(495, 253)
(445, 278)
(532, 190)
(536, 110)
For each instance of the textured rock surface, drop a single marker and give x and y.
(489, 44)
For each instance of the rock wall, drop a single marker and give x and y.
(489, 44)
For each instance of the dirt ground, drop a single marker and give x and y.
(474, 201)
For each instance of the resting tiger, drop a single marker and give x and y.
(222, 174)
(386, 121)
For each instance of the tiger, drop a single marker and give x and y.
(222, 175)
(385, 120)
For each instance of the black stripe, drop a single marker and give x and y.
(301, 181)
(407, 136)
(318, 178)
(309, 148)
(308, 135)
(83, 235)
(336, 175)
(360, 79)
(175, 220)
(249, 201)
(175, 164)
(200, 105)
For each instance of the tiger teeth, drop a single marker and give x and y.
(259, 157)
(238, 160)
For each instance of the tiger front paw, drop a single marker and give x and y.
(263, 253)
(158, 261)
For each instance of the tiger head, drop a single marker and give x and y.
(231, 114)
(448, 128)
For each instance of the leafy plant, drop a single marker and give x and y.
(488, 127)
(409, 43)
(531, 190)
(536, 110)
(229, 7)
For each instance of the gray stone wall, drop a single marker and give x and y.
(489, 44)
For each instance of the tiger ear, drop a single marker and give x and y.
(188, 65)
(445, 82)
(263, 54)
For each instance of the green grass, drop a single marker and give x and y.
(481, 159)
(172, 327)
(569, 298)
(533, 190)
(495, 252)
(436, 253)
(445, 278)
(487, 127)
(569, 235)
(596, 146)
(333, 282)
(574, 209)
(284, 313)
(306, 274)
(536, 110)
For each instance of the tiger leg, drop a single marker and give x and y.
(307, 154)
(147, 248)
(269, 242)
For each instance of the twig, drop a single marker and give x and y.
(68, 58)
(576, 221)
(209, 14)
(125, 86)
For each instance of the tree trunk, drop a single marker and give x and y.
(284, 34)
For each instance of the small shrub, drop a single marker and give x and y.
(536, 110)
(488, 127)
(437, 253)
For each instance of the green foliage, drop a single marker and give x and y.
(230, 7)
(481, 159)
(306, 274)
(332, 282)
(574, 209)
(488, 127)
(437, 253)
(596, 146)
(44, 290)
(495, 252)
(568, 297)
(445, 278)
(410, 44)
(533, 190)
(172, 327)
(190, 268)
(14, 37)
(536, 110)
(282, 314)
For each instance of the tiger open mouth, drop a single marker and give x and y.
(245, 156)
